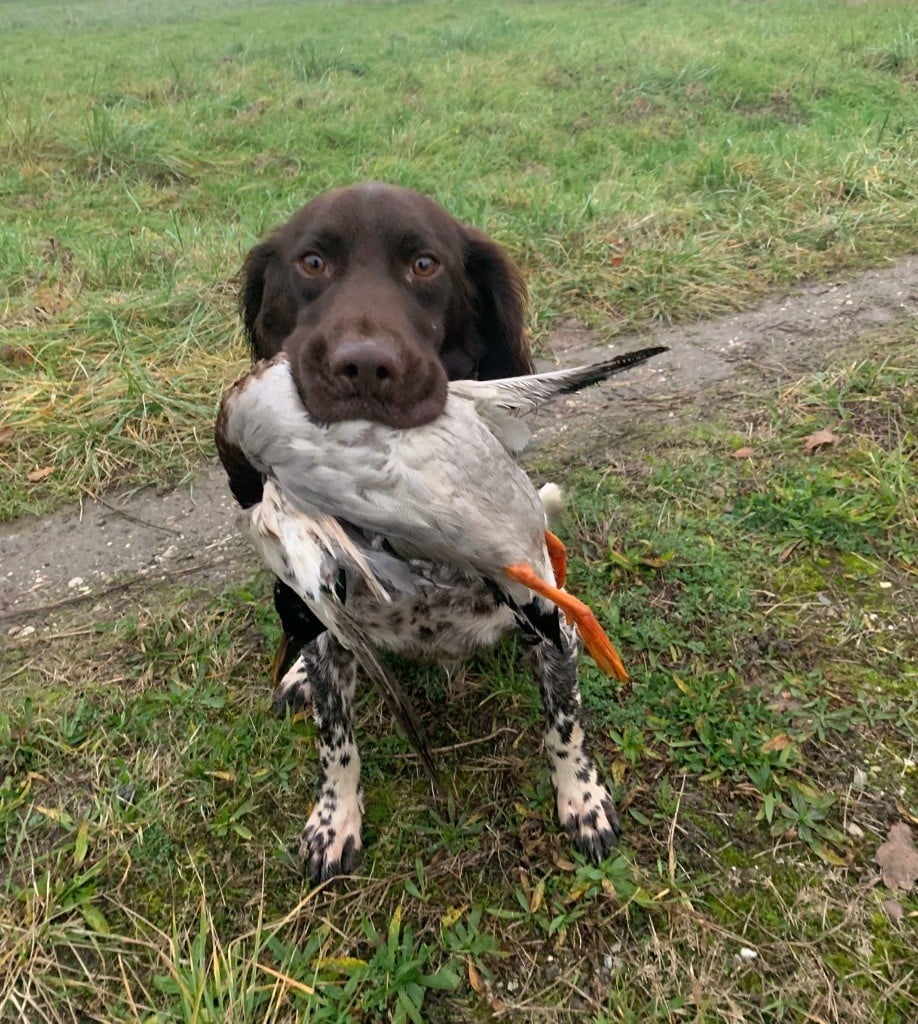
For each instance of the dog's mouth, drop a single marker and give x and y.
(369, 381)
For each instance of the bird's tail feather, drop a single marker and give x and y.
(566, 382)
(400, 707)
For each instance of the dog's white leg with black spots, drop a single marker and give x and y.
(294, 691)
(331, 843)
(585, 807)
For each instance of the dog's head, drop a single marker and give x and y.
(379, 297)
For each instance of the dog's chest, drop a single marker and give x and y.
(446, 617)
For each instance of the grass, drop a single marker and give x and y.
(150, 802)
(642, 162)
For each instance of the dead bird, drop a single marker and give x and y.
(360, 504)
(413, 487)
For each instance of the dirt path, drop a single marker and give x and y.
(86, 556)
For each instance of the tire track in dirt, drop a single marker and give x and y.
(83, 557)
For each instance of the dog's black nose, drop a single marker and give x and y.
(370, 366)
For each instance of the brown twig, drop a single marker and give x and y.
(114, 588)
(136, 519)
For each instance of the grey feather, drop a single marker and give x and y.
(501, 403)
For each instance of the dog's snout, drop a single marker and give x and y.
(345, 373)
(370, 366)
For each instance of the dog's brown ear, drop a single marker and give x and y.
(499, 328)
(266, 302)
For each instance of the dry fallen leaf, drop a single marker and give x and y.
(562, 863)
(682, 684)
(906, 813)
(894, 909)
(36, 475)
(476, 980)
(577, 893)
(743, 453)
(818, 439)
(788, 551)
(483, 988)
(50, 300)
(15, 355)
(778, 742)
(898, 858)
(6, 436)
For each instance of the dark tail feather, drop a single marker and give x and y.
(569, 381)
(401, 709)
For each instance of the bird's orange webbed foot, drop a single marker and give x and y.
(557, 555)
(597, 643)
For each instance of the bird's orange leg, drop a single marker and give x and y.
(557, 555)
(597, 643)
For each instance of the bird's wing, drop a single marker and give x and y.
(446, 491)
(308, 554)
(500, 403)
(346, 470)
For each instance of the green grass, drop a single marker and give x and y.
(150, 801)
(642, 162)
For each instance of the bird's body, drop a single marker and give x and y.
(447, 492)
(412, 487)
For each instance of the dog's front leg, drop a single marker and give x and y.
(585, 807)
(331, 843)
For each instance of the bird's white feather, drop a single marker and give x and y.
(552, 498)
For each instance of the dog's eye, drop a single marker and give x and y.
(425, 266)
(312, 264)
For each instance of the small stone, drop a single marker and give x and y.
(77, 581)
(127, 793)
(747, 954)
(894, 909)
(855, 831)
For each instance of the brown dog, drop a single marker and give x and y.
(379, 297)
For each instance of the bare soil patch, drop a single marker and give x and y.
(106, 549)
